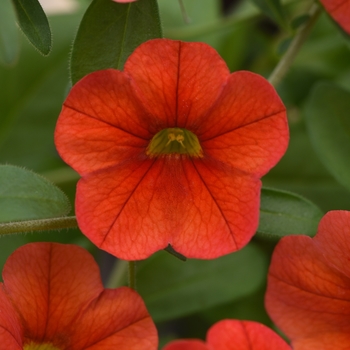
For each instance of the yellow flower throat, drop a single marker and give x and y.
(174, 141)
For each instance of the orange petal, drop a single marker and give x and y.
(49, 284)
(101, 123)
(244, 335)
(223, 214)
(247, 127)
(121, 216)
(332, 240)
(177, 81)
(190, 344)
(340, 12)
(117, 319)
(11, 333)
(308, 294)
(234, 335)
(203, 211)
(325, 341)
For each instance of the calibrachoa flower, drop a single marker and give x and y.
(52, 298)
(234, 335)
(308, 294)
(171, 151)
(340, 12)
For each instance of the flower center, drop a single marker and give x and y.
(174, 141)
(36, 346)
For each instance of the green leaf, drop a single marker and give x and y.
(25, 195)
(284, 45)
(284, 213)
(109, 33)
(9, 40)
(34, 24)
(172, 288)
(327, 118)
(274, 10)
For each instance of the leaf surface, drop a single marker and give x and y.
(327, 118)
(172, 288)
(109, 33)
(34, 24)
(25, 195)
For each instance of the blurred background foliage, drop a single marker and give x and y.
(186, 298)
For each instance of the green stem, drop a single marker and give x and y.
(173, 252)
(118, 274)
(287, 60)
(184, 13)
(38, 225)
(132, 274)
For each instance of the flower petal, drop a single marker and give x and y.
(340, 12)
(234, 335)
(121, 216)
(117, 319)
(324, 341)
(190, 344)
(308, 297)
(49, 284)
(224, 211)
(333, 241)
(247, 127)
(142, 207)
(11, 333)
(244, 335)
(177, 81)
(101, 123)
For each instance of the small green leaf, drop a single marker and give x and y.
(274, 10)
(328, 122)
(9, 40)
(172, 288)
(299, 21)
(25, 195)
(283, 46)
(284, 213)
(109, 33)
(34, 24)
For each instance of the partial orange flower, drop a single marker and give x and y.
(234, 335)
(308, 294)
(339, 11)
(52, 298)
(171, 151)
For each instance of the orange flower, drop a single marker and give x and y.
(52, 298)
(339, 11)
(309, 286)
(171, 151)
(234, 335)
